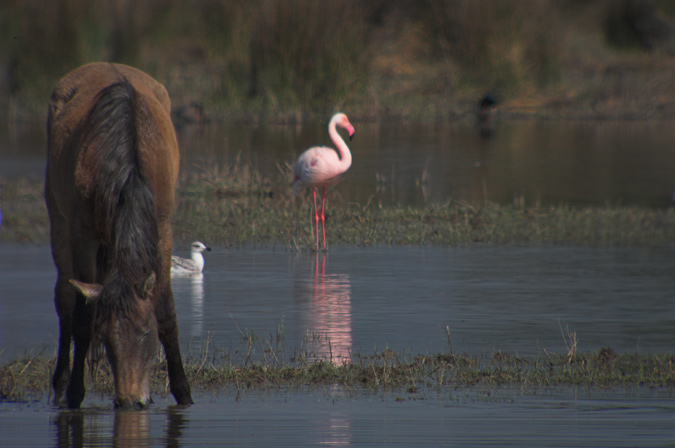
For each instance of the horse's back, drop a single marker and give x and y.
(76, 90)
(71, 103)
(78, 122)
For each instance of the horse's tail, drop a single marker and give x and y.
(124, 202)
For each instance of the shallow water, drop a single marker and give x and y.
(515, 299)
(331, 417)
(550, 162)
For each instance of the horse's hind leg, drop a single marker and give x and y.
(64, 300)
(167, 326)
(74, 324)
(74, 318)
(84, 262)
(65, 303)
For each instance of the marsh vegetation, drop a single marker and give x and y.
(258, 366)
(234, 205)
(286, 60)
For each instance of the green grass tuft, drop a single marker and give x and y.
(28, 378)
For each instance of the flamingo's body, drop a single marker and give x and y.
(321, 167)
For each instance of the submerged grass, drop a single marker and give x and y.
(28, 378)
(235, 205)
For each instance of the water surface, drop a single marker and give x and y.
(515, 299)
(472, 300)
(549, 163)
(552, 419)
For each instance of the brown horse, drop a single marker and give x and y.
(111, 174)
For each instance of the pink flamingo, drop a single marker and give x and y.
(320, 167)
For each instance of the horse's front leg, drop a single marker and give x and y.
(167, 326)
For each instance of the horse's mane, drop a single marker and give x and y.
(124, 202)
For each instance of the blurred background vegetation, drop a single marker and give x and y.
(288, 59)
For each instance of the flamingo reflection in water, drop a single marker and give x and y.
(328, 318)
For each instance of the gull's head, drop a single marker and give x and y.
(199, 247)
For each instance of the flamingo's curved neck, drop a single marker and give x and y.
(342, 148)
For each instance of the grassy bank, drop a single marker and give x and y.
(235, 206)
(284, 60)
(28, 378)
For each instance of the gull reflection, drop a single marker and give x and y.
(326, 313)
(192, 285)
(197, 299)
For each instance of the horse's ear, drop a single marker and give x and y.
(90, 291)
(149, 285)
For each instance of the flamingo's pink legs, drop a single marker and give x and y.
(316, 221)
(323, 218)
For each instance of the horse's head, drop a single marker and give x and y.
(124, 321)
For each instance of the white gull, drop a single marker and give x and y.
(192, 265)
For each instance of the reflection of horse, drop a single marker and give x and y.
(130, 429)
(111, 171)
